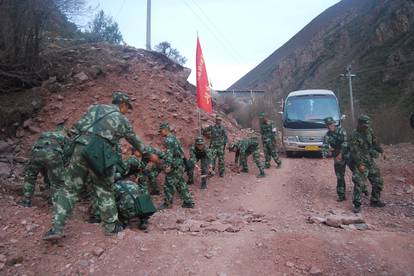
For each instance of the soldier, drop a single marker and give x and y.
(335, 142)
(97, 133)
(364, 149)
(133, 200)
(199, 151)
(174, 170)
(243, 149)
(48, 156)
(218, 141)
(152, 170)
(268, 131)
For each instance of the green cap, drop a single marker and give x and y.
(120, 97)
(218, 117)
(329, 121)
(364, 120)
(164, 125)
(262, 115)
(199, 141)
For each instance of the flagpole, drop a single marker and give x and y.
(199, 121)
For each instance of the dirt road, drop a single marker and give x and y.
(241, 226)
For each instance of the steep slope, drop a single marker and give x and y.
(375, 36)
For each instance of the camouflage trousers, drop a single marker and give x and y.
(270, 152)
(256, 159)
(340, 167)
(372, 173)
(152, 174)
(174, 180)
(76, 176)
(50, 165)
(204, 170)
(217, 153)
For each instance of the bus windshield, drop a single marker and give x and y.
(308, 111)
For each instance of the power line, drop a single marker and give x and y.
(216, 28)
(218, 39)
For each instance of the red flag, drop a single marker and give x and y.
(203, 88)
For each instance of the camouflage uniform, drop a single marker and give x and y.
(48, 155)
(104, 122)
(152, 171)
(267, 130)
(199, 155)
(243, 149)
(218, 143)
(126, 196)
(337, 140)
(364, 148)
(174, 174)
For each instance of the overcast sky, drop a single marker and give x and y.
(235, 35)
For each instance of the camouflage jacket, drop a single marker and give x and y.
(364, 147)
(337, 140)
(53, 141)
(196, 154)
(152, 150)
(174, 154)
(268, 135)
(244, 148)
(107, 122)
(218, 135)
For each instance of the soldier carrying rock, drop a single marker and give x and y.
(268, 132)
(199, 151)
(364, 149)
(244, 148)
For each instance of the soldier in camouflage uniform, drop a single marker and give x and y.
(152, 170)
(335, 142)
(243, 149)
(48, 156)
(199, 152)
(97, 134)
(174, 170)
(364, 149)
(268, 132)
(218, 141)
(133, 200)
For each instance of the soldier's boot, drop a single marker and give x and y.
(164, 206)
(53, 234)
(278, 164)
(221, 174)
(118, 228)
(94, 219)
(203, 183)
(143, 223)
(377, 203)
(190, 180)
(188, 205)
(261, 174)
(341, 198)
(356, 209)
(25, 202)
(267, 165)
(245, 170)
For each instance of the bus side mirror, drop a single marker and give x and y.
(343, 117)
(280, 112)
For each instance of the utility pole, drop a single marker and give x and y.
(349, 75)
(148, 45)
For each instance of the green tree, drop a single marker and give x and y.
(170, 52)
(104, 28)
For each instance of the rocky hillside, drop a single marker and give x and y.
(375, 36)
(88, 74)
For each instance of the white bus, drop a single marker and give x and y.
(303, 117)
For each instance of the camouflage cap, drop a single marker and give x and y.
(199, 141)
(218, 117)
(120, 97)
(164, 125)
(262, 115)
(364, 120)
(329, 121)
